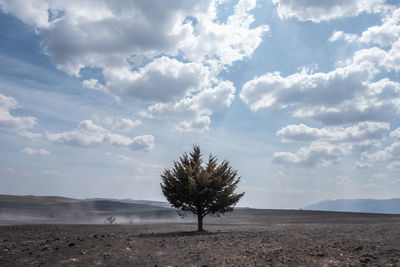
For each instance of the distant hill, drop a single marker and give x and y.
(134, 201)
(61, 208)
(391, 206)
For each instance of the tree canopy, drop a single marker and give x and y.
(202, 188)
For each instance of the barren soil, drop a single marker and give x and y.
(246, 238)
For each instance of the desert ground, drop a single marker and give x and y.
(245, 237)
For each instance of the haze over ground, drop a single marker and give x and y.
(98, 97)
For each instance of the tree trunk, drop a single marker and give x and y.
(200, 223)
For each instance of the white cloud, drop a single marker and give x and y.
(35, 11)
(383, 35)
(32, 151)
(199, 124)
(94, 84)
(143, 142)
(158, 53)
(89, 125)
(77, 138)
(125, 125)
(387, 60)
(29, 135)
(318, 11)
(197, 108)
(356, 133)
(363, 165)
(329, 144)
(271, 90)
(163, 80)
(390, 155)
(89, 134)
(8, 122)
(395, 133)
(344, 95)
(117, 123)
(348, 37)
(317, 154)
(228, 42)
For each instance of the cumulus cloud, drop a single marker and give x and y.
(348, 37)
(386, 33)
(271, 90)
(32, 151)
(319, 11)
(389, 155)
(36, 12)
(317, 154)
(117, 123)
(122, 124)
(352, 100)
(196, 109)
(17, 124)
(143, 142)
(226, 42)
(383, 35)
(89, 134)
(29, 135)
(94, 84)
(348, 94)
(199, 124)
(395, 133)
(157, 52)
(329, 144)
(356, 133)
(162, 80)
(363, 165)
(344, 95)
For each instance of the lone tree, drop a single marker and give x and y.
(201, 188)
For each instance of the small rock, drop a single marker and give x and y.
(366, 260)
(71, 244)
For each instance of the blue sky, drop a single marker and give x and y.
(302, 97)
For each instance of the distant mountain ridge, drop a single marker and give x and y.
(13, 207)
(133, 201)
(390, 206)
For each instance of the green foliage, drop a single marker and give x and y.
(201, 188)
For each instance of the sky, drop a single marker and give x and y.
(97, 98)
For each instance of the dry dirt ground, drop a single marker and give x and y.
(246, 239)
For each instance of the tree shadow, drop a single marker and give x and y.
(179, 233)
